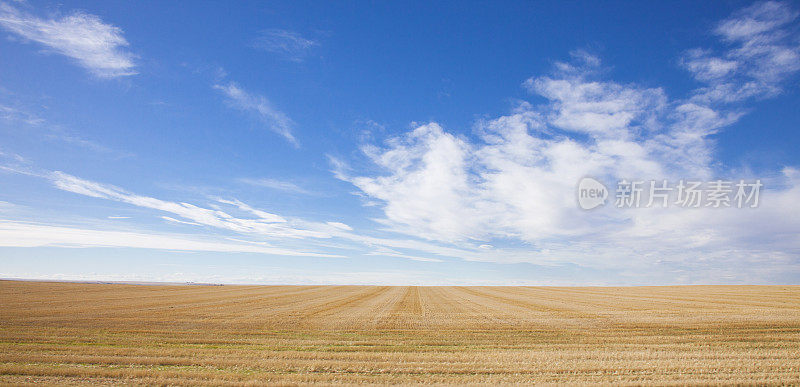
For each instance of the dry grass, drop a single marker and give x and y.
(62, 333)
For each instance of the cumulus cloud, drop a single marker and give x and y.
(430, 169)
(288, 44)
(516, 180)
(275, 119)
(507, 194)
(99, 47)
(518, 184)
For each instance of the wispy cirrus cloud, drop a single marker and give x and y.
(287, 44)
(27, 234)
(301, 236)
(13, 114)
(279, 185)
(261, 107)
(99, 47)
(762, 51)
(264, 224)
(634, 245)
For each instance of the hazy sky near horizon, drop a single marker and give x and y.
(394, 143)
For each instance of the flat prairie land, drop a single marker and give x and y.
(71, 333)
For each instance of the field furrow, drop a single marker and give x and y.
(70, 333)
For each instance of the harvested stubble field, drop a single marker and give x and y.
(63, 333)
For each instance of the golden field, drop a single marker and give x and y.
(70, 333)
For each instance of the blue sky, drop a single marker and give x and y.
(379, 143)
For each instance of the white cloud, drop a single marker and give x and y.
(98, 47)
(340, 225)
(762, 51)
(387, 252)
(288, 44)
(275, 119)
(517, 180)
(275, 184)
(13, 114)
(603, 240)
(519, 186)
(759, 19)
(430, 186)
(707, 68)
(19, 234)
(173, 220)
(264, 224)
(514, 183)
(6, 206)
(601, 109)
(274, 276)
(263, 215)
